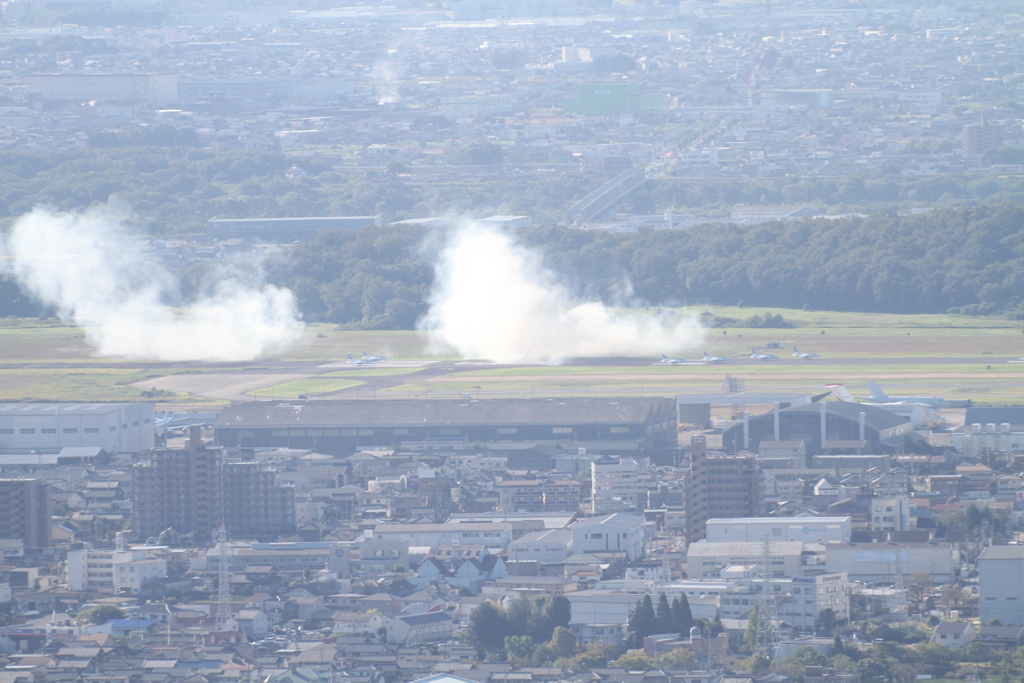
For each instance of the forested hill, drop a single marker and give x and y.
(969, 259)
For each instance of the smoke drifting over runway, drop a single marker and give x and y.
(130, 306)
(493, 299)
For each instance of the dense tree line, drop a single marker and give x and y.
(669, 617)
(888, 660)
(969, 259)
(529, 622)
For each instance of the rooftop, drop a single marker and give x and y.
(420, 412)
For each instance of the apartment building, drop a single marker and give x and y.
(193, 490)
(98, 570)
(721, 486)
(539, 495)
(615, 486)
(25, 511)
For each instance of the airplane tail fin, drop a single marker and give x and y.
(841, 392)
(350, 357)
(706, 354)
(877, 393)
(664, 357)
(795, 350)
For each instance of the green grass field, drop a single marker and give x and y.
(46, 360)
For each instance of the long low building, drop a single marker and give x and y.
(285, 230)
(52, 427)
(706, 560)
(349, 425)
(490, 534)
(755, 529)
(879, 562)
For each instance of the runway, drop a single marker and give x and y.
(236, 382)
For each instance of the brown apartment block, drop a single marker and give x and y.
(192, 490)
(719, 486)
(25, 511)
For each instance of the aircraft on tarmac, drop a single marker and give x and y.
(762, 356)
(916, 413)
(182, 420)
(713, 359)
(879, 396)
(804, 355)
(373, 359)
(359, 361)
(671, 361)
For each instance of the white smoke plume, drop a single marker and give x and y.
(123, 301)
(493, 299)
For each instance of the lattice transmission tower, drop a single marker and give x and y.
(767, 608)
(220, 537)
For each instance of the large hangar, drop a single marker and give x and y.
(50, 427)
(348, 425)
(817, 424)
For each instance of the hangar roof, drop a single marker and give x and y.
(425, 412)
(874, 417)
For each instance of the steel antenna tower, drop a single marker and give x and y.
(220, 537)
(767, 617)
(900, 603)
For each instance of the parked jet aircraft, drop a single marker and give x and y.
(841, 392)
(373, 359)
(183, 420)
(762, 356)
(713, 359)
(359, 361)
(917, 413)
(804, 355)
(671, 361)
(879, 396)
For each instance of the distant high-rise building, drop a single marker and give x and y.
(25, 511)
(615, 486)
(721, 486)
(981, 137)
(192, 489)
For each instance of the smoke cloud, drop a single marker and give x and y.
(125, 302)
(493, 299)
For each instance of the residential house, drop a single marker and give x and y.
(954, 634)
(420, 628)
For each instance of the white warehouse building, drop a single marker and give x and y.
(877, 562)
(49, 427)
(617, 532)
(1001, 584)
(756, 529)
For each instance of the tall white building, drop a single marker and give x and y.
(615, 487)
(97, 570)
(49, 427)
(1001, 584)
